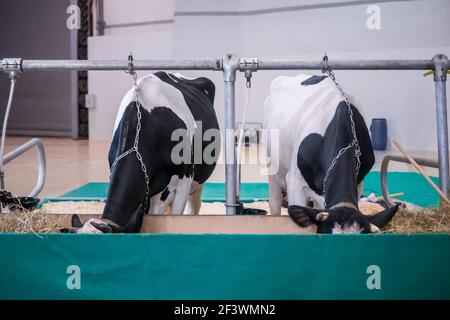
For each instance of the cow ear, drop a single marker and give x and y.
(76, 222)
(303, 216)
(381, 219)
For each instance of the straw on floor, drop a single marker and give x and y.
(423, 220)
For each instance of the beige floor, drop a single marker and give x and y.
(72, 163)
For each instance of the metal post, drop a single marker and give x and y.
(230, 65)
(440, 78)
(100, 22)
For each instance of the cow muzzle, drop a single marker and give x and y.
(92, 226)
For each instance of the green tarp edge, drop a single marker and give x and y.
(173, 266)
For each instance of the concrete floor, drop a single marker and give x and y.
(72, 163)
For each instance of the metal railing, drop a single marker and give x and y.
(17, 152)
(230, 64)
(384, 170)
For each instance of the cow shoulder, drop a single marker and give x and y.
(308, 161)
(199, 96)
(316, 152)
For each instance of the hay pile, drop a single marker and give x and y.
(28, 222)
(435, 220)
(370, 208)
(421, 220)
(41, 220)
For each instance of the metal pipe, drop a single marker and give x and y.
(86, 65)
(346, 65)
(230, 65)
(13, 77)
(384, 169)
(440, 77)
(215, 64)
(41, 162)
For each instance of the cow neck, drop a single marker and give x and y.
(341, 186)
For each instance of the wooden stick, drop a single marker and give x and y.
(421, 171)
(392, 195)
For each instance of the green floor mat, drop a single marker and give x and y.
(89, 190)
(250, 192)
(414, 186)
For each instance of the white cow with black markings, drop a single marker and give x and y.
(157, 163)
(315, 125)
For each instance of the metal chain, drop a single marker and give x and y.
(135, 148)
(354, 143)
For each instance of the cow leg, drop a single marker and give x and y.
(159, 203)
(194, 201)
(318, 200)
(275, 196)
(297, 189)
(182, 191)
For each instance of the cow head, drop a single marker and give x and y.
(341, 219)
(92, 226)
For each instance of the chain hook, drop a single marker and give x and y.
(131, 70)
(130, 64)
(325, 66)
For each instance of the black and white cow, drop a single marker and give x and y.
(169, 102)
(314, 125)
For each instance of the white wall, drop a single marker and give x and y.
(408, 30)
(133, 15)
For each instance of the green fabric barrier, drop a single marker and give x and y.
(416, 189)
(163, 266)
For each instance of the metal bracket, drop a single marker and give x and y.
(325, 66)
(440, 62)
(12, 65)
(218, 65)
(230, 64)
(248, 65)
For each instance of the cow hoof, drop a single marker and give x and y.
(240, 210)
(252, 211)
